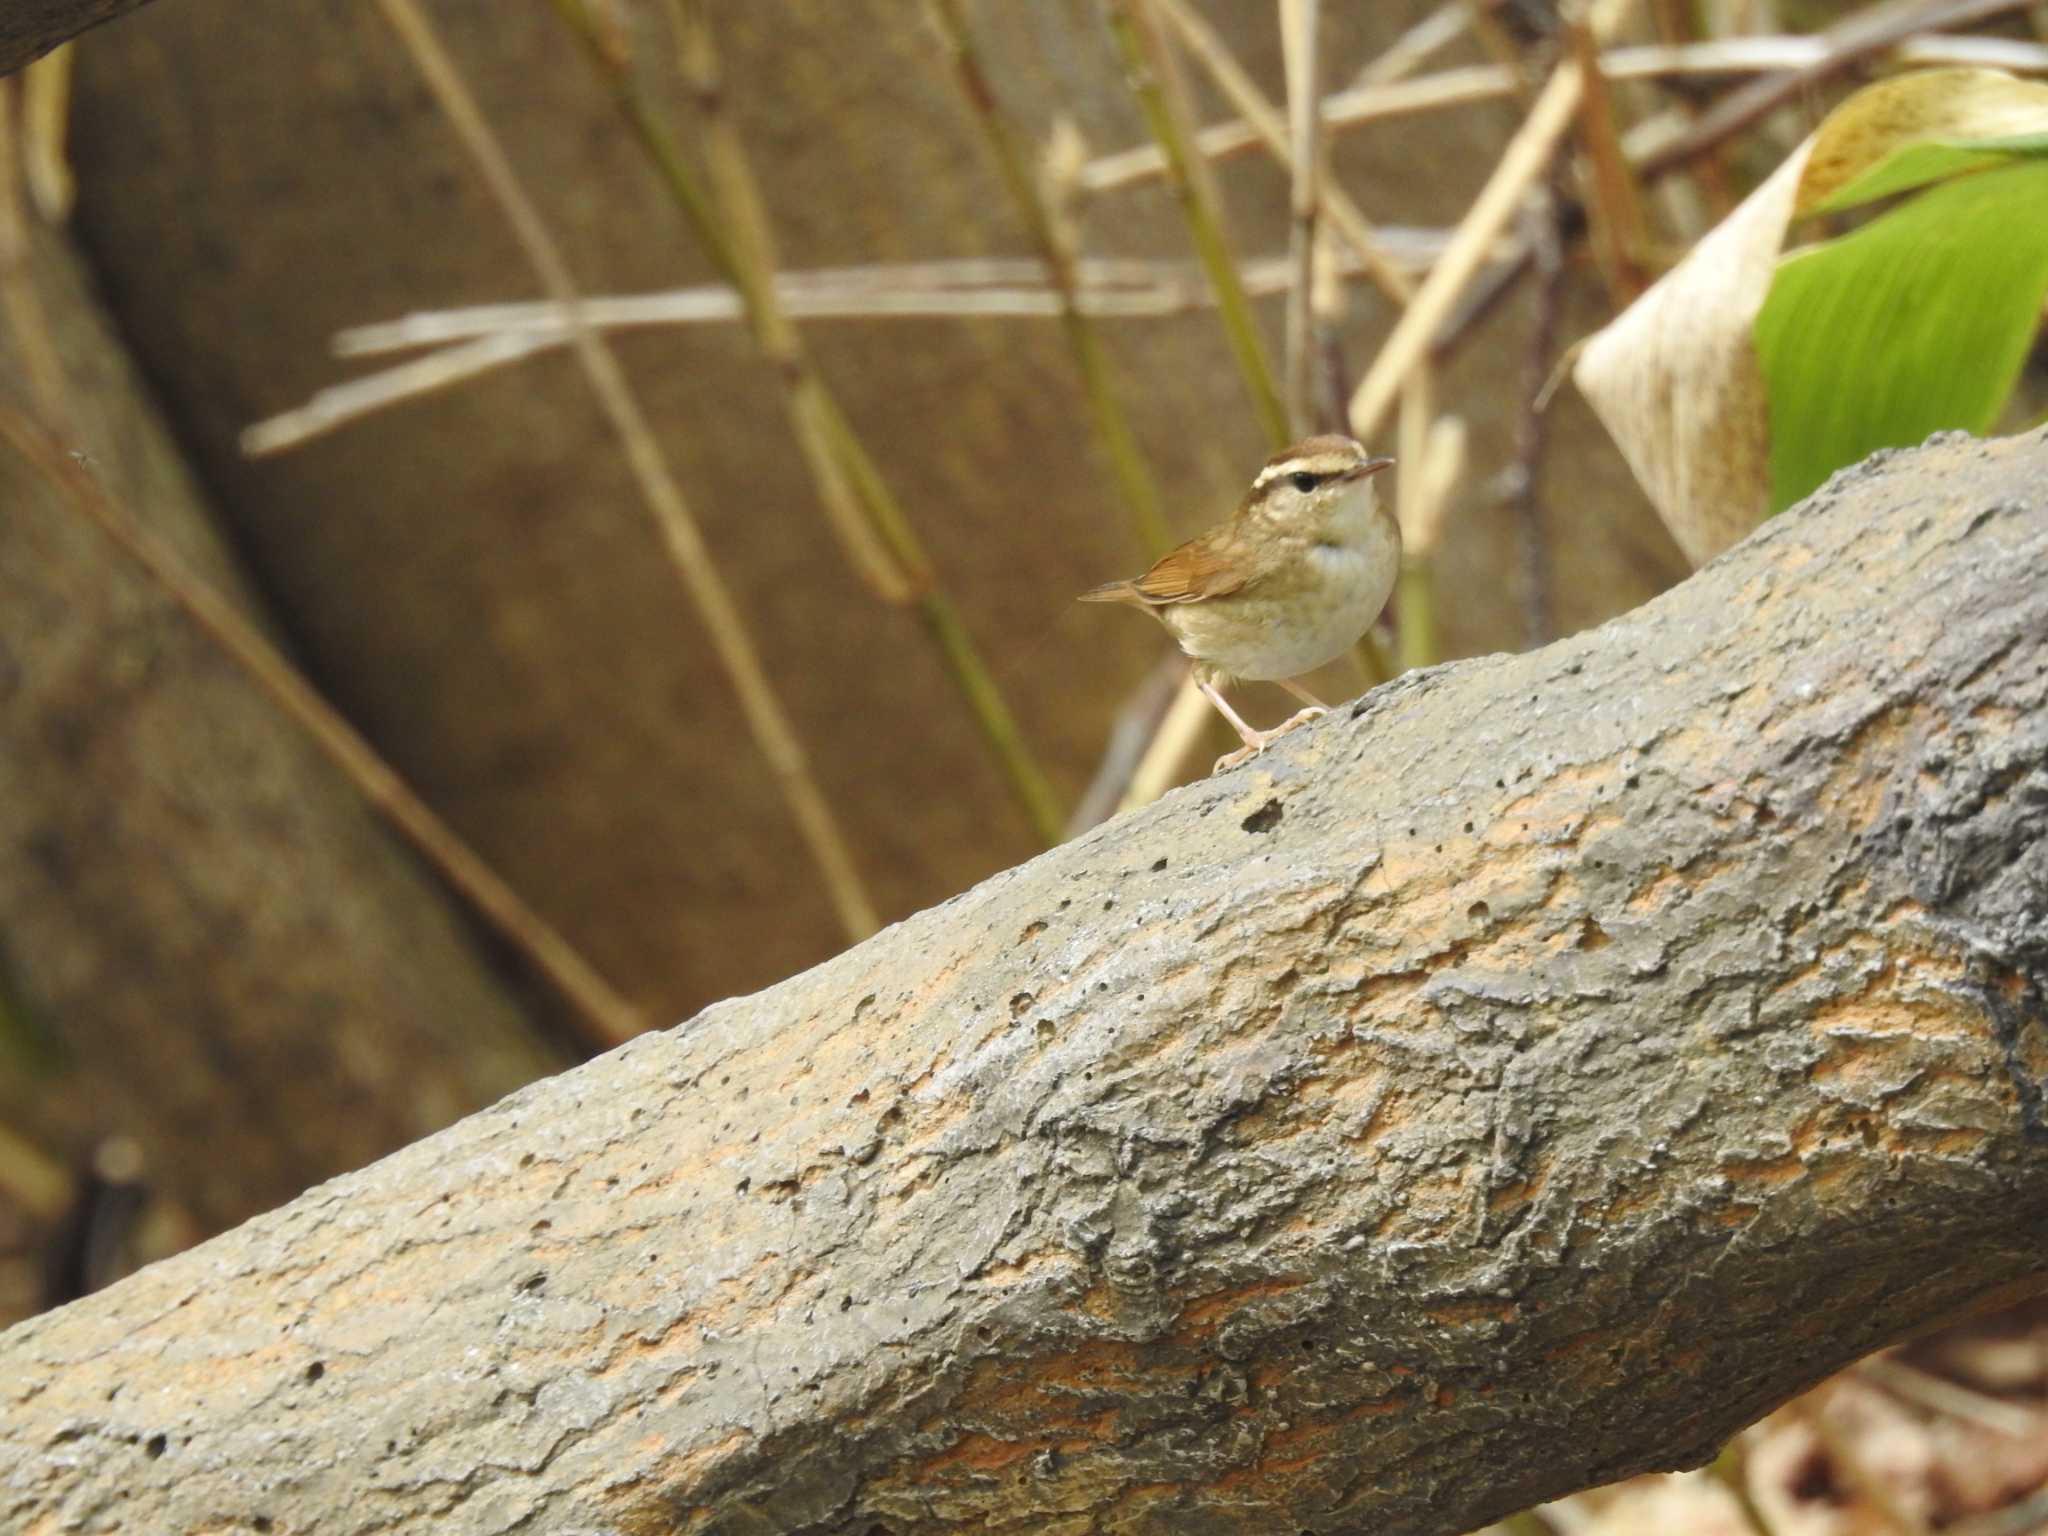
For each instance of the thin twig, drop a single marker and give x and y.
(1112, 424)
(1145, 60)
(1300, 23)
(766, 719)
(607, 1018)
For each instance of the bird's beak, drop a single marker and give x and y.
(1369, 467)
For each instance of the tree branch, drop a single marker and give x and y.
(1518, 1080)
(31, 28)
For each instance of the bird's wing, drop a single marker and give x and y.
(1204, 567)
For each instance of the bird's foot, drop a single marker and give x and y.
(1256, 742)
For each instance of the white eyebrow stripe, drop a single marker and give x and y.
(1320, 466)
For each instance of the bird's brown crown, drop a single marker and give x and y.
(1312, 460)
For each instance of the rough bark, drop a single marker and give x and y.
(1520, 1079)
(227, 957)
(31, 28)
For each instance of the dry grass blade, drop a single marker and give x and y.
(490, 336)
(606, 1018)
(1149, 65)
(766, 719)
(339, 404)
(1112, 425)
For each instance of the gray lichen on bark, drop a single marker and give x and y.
(1520, 1079)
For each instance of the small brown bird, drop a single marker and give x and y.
(1297, 574)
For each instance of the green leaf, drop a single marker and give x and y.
(1915, 165)
(1915, 323)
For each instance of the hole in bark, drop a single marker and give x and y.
(533, 1282)
(315, 1371)
(1019, 1003)
(1158, 865)
(1031, 930)
(1468, 829)
(261, 1523)
(743, 1186)
(858, 1098)
(1479, 911)
(526, 1161)
(1264, 819)
(984, 1333)
(1045, 1031)
(1765, 815)
(154, 1446)
(846, 1303)
(1592, 935)
(540, 1226)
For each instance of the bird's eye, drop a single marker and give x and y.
(1304, 481)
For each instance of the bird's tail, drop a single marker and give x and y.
(1112, 592)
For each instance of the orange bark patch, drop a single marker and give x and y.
(1199, 1317)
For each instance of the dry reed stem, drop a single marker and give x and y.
(1165, 759)
(1440, 28)
(1112, 424)
(1266, 123)
(19, 301)
(740, 200)
(1856, 37)
(1528, 153)
(32, 1181)
(46, 131)
(1130, 734)
(766, 719)
(1468, 85)
(606, 1018)
(1614, 212)
(839, 461)
(1148, 64)
(1300, 24)
(893, 567)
